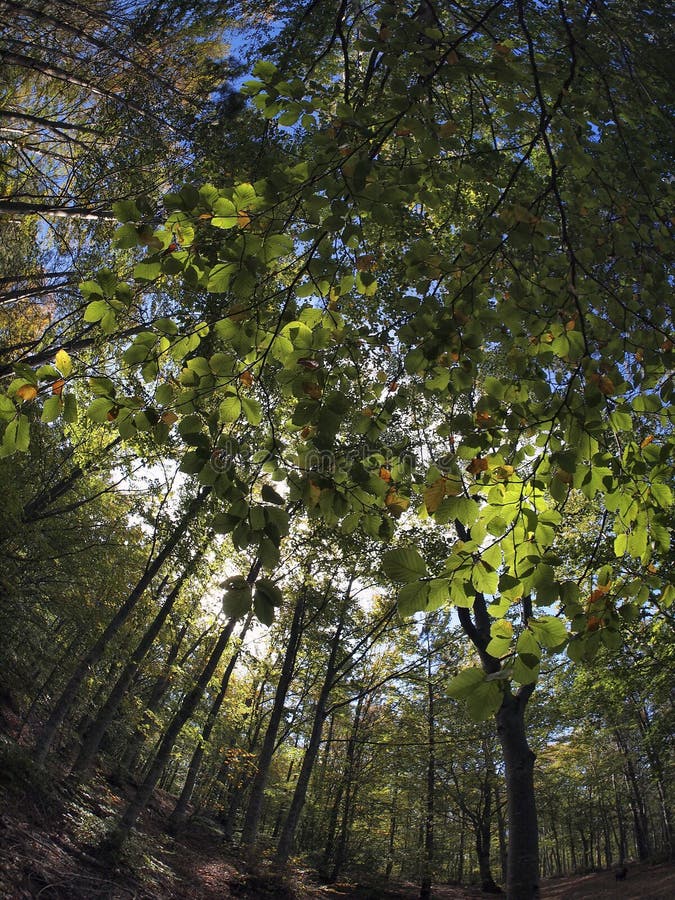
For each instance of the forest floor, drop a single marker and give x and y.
(49, 833)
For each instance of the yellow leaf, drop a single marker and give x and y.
(63, 362)
(27, 393)
(434, 494)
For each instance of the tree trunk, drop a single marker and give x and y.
(252, 818)
(179, 814)
(129, 759)
(522, 878)
(287, 839)
(94, 735)
(428, 857)
(69, 693)
(186, 709)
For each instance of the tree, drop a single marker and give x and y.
(438, 321)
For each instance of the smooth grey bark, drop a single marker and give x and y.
(86, 213)
(184, 712)
(106, 713)
(253, 811)
(179, 814)
(65, 701)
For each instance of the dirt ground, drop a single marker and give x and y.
(48, 850)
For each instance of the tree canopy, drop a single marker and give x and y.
(417, 293)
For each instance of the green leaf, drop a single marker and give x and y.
(237, 598)
(549, 631)
(51, 409)
(126, 211)
(229, 409)
(404, 564)
(252, 410)
(413, 597)
(484, 701)
(98, 410)
(95, 311)
(270, 591)
(484, 578)
(465, 682)
(147, 271)
(263, 609)
(220, 277)
(269, 495)
(7, 408)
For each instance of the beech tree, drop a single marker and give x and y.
(436, 319)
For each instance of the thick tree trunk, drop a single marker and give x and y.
(523, 854)
(69, 693)
(251, 824)
(94, 735)
(179, 814)
(185, 710)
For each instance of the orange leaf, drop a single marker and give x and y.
(57, 387)
(477, 465)
(647, 441)
(385, 474)
(396, 505)
(314, 493)
(243, 219)
(312, 389)
(27, 393)
(246, 378)
(366, 263)
(113, 413)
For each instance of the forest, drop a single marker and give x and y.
(336, 449)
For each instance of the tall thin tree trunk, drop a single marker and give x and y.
(185, 710)
(94, 735)
(286, 841)
(179, 814)
(253, 811)
(428, 855)
(94, 654)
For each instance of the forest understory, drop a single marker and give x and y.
(48, 849)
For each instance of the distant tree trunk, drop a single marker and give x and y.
(185, 710)
(349, 794)
(251, 824)
(286, 841)
(636, 799)
(129, 759)
(428, 856)
(69, 693)
(179, 814)
(621, 825)
(92, 738)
